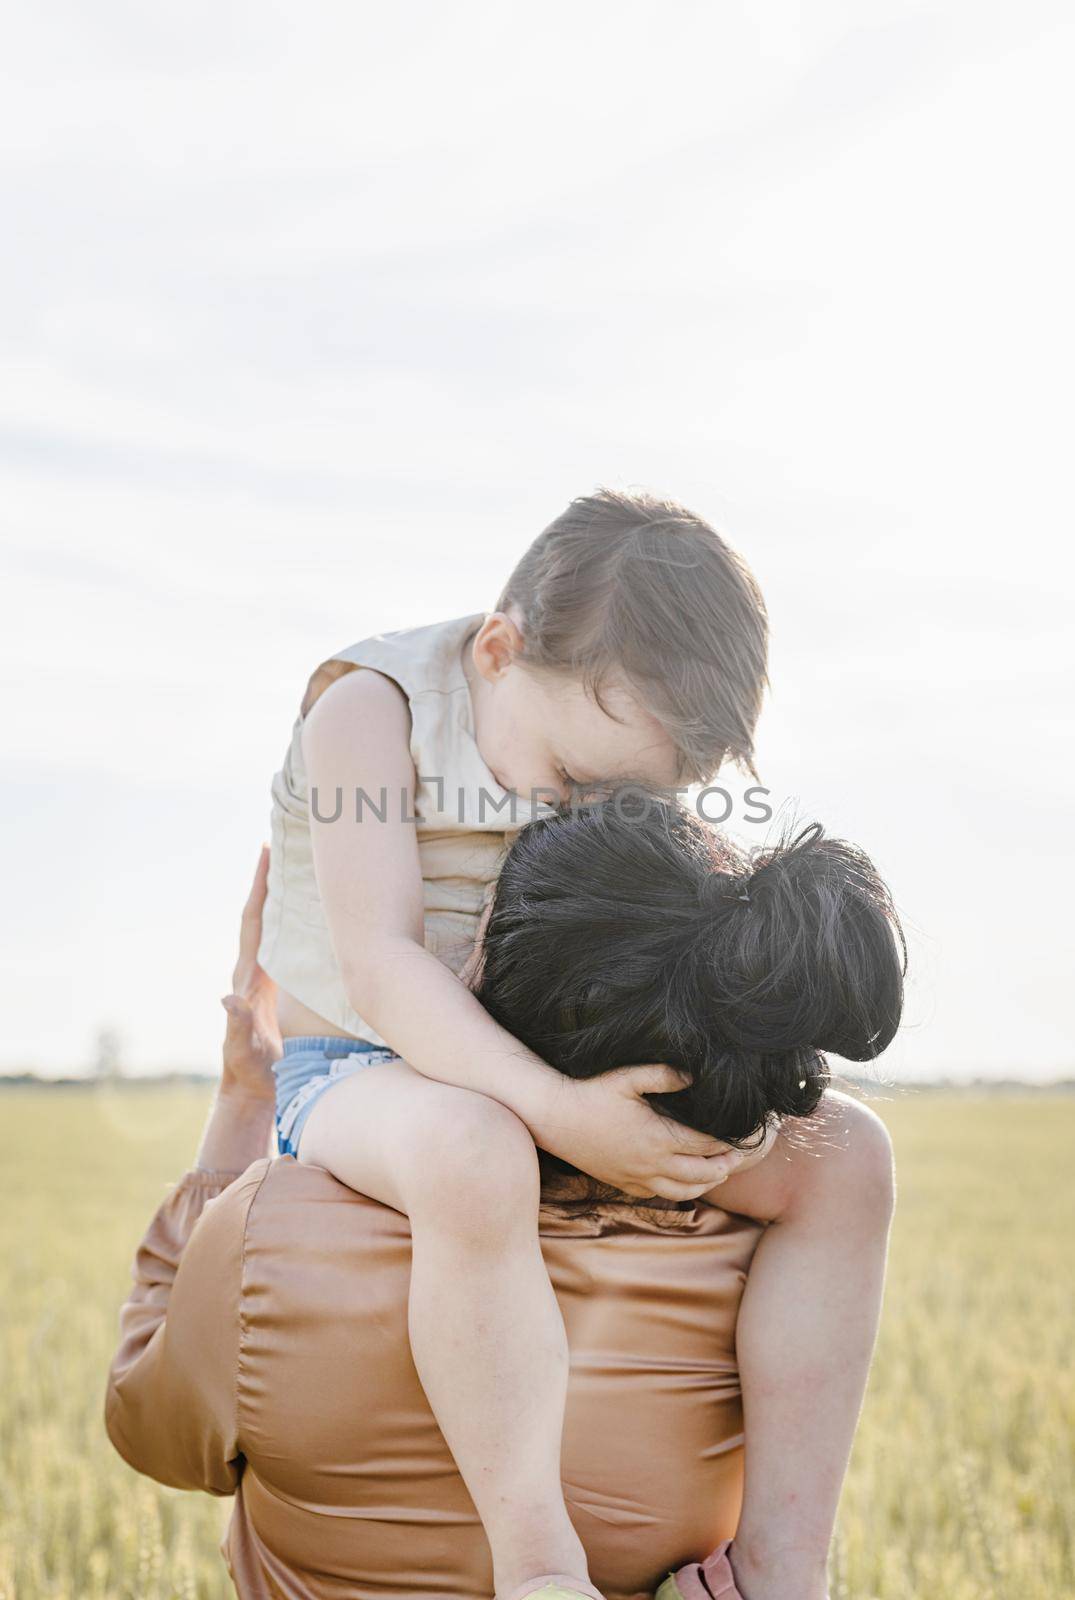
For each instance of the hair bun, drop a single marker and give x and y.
(718, 890)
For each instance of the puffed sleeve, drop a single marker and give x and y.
(170, 1406)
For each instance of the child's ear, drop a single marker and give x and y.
(497, 643)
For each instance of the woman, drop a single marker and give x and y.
(237, 1371)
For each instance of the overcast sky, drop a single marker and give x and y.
(314, 315)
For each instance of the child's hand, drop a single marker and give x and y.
(604, 1127)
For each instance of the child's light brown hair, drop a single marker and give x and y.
(631, 587)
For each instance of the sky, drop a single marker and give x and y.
(312, 316)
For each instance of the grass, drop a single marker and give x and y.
(963, 1478)
(962, 1483)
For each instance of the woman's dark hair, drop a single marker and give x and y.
(628, 931)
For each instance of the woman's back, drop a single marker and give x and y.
(349, 1487)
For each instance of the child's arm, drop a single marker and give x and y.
(805, 1335)
(357, 736)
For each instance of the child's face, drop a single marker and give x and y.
(543, 731)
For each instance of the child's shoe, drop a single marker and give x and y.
(554, 1586)
(711, 1579)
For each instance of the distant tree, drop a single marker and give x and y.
(108, 1057)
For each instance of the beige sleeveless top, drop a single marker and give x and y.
(462, 814)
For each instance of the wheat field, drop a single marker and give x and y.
(962, 1484)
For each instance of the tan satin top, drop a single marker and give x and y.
(264, 1353)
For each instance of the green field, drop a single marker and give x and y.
(963, 1479)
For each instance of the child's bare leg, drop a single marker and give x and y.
(805, 1338)
(486, 1333)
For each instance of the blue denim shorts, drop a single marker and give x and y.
(308, 1067)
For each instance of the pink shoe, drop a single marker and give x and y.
(711, 1579)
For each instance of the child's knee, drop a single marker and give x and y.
(475, 1163)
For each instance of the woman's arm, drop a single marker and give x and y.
(170, 1404)
(240, 1124)
(805, 1335)
(357, 737)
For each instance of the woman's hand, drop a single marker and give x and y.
(604, 1127)
(252, 1039)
